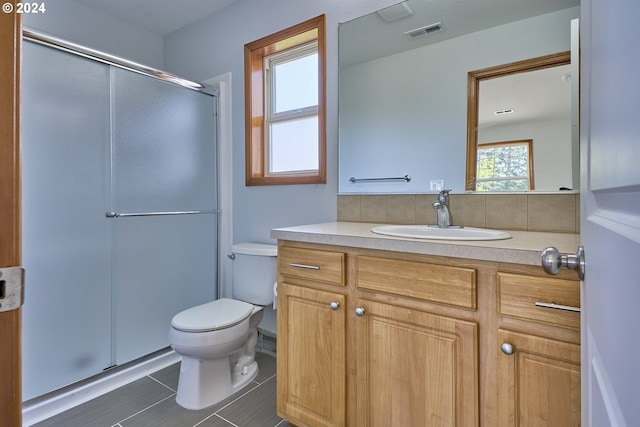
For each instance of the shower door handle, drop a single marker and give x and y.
(128, 214)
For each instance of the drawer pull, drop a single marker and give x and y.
(334, 305)
(359, 311)
(310, 267)
(557, 306)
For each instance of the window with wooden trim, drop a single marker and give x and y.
(505, 166)
(285, 128)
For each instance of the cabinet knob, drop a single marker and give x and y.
(507, 348)
(334, 305)
(359, 311)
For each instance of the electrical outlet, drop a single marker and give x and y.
(437, 184)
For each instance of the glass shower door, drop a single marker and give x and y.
(163, 163)
(102, 289)
(66, 237)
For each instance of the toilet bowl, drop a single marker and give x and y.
(217, 339)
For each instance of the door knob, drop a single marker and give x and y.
(359, 311)
(334, 305)
(553, 261)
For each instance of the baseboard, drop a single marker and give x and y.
(41, 408)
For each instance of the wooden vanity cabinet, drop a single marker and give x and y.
(416, 366)
(538, 374)
(373, 338)
(311, 333)
(357, 345)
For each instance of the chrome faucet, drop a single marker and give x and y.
(442, 207)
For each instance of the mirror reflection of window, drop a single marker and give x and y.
(529, 99)
(505, 166)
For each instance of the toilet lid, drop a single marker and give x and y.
(218, 314)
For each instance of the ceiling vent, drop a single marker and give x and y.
(395, 12)
(423, 31)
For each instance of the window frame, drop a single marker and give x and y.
(255, 141)
(526, 142)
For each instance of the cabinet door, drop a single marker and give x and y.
(415, 368)
(539, 383)
(311, 356)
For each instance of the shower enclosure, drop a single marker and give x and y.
(119, 213)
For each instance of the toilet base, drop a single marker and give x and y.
(203, 383)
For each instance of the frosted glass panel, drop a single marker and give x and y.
(102, 291)
(294, 145)
(164, 160)
(66, 237)
(296, 83)
(164, 146)
(164, 264)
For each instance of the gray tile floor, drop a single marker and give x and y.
(150, 402)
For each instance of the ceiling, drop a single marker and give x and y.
(160, 17)
(533, 96)
(370, 37)
(459, 16)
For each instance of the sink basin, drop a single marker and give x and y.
(426, 232)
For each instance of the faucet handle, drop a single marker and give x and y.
(443, 196)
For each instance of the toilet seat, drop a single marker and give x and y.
(219, 314)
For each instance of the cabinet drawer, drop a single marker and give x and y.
(324, 266)
(429, 282)
(524, 297)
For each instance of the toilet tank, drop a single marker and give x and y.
(254, 272)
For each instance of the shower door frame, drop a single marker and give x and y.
(63, 45)
(129, 68)
(10, 211)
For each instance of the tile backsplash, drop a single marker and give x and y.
(558, 213)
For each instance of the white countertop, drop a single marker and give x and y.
(523, 248)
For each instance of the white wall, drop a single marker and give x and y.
(83, 25)
(214, 46)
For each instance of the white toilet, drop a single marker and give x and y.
(217, 340)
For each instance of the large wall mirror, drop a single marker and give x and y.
(403, 90)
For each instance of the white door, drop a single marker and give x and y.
(610, 212)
